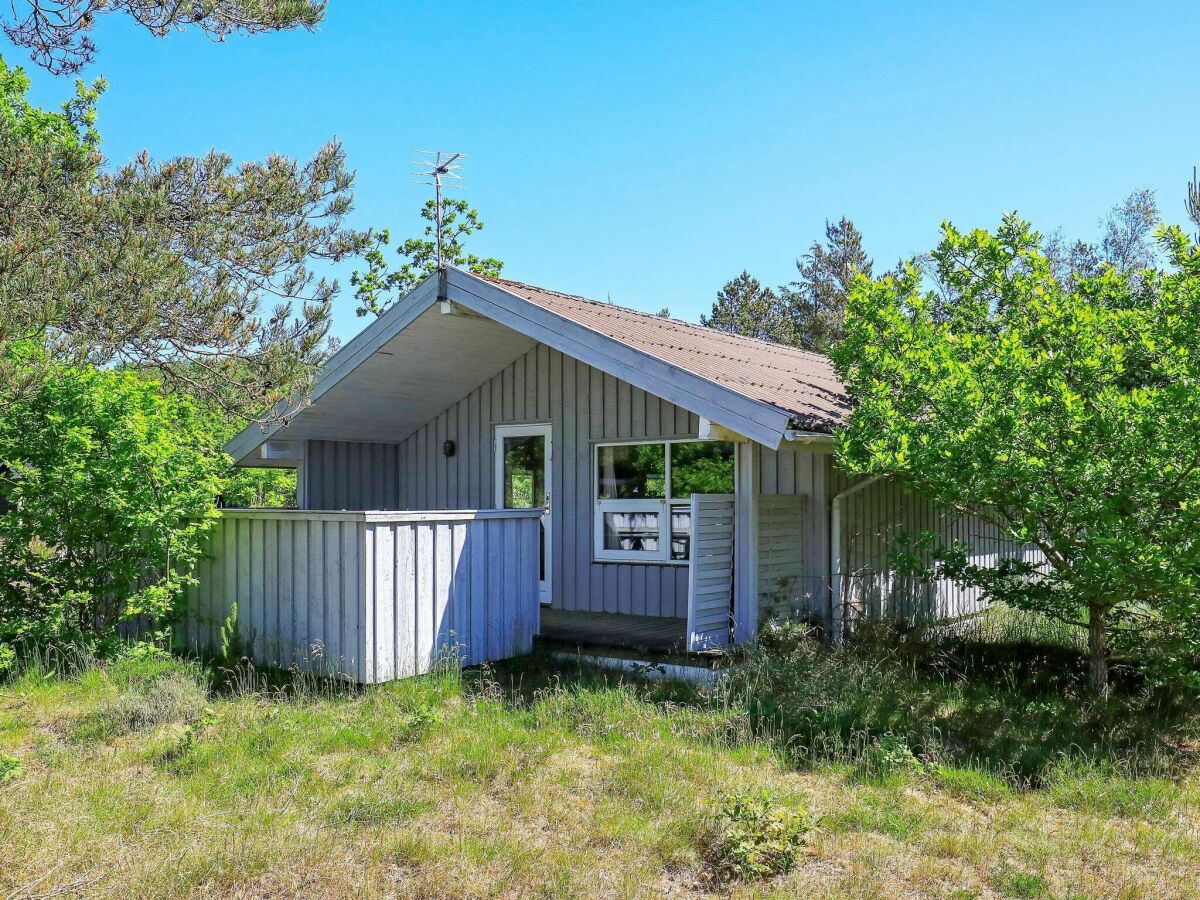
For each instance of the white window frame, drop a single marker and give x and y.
(662, 506)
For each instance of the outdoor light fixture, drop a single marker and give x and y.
(448, 448)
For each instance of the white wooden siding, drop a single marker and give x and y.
(874, 519)
(710, 571)
(584, 406)
(351, 475)
(369, 595)
(799, 470)
(784, 590)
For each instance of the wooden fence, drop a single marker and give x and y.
(371, 596)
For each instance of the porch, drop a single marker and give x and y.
(660, 634)
(378, 595)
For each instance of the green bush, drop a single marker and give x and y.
(754, 836)
(107, 489)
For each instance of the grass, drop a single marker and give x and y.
(889, 768)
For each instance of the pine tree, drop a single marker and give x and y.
(744, 306)
(816, 300)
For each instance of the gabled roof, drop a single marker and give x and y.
(800, 383)
(395, 375)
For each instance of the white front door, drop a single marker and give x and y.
(523, 458)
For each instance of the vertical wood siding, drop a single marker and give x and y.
(583, 406)
(783, 589)
(793, 564)
(351, 475)
(883, 517)
(366, 596)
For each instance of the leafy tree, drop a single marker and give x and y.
(1067, 415)
(816, 300)
(380, 286)
(56, 32)
(109, 489)
(259, 488)
(746, 307)
(192, 266)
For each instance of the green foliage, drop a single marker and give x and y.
(1064, 413)
(894, 704)
(744, 306)
(10, 768)
(380, 286)
(754, 836)
(235, 646)
(108, 490)
(806, 313)
(816, 300)
(701, 467)
(258, 488)
(57, 33)
(193, 267)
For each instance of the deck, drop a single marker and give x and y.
(656, 633)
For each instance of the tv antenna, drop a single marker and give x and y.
(439, 169)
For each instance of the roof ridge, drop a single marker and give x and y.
(775, 346)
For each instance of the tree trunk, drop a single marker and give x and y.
(1098, 650)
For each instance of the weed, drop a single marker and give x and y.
(167, 697)
(754, 836)
(1008, 881)
(10, 768)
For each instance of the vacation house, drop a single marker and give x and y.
(489, 460)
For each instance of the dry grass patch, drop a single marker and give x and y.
(459, 786)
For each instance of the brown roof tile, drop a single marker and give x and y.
(798, 382)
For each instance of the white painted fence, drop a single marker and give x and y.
(372, 596)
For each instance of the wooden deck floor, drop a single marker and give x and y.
(614, 630)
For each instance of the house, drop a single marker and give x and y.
(488, 459)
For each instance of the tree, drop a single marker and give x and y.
(816, 300)
(191, 266)
(1126, 242)
(1192, 203)
(744, 306)
(108, 489)
(56, 32)
(380, 286)
(1067, 415)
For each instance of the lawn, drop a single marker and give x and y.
(898, 775)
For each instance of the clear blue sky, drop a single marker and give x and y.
(648, 152)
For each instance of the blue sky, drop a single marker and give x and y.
(648, 152)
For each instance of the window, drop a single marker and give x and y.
(643, 496)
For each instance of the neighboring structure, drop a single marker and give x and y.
(684, 474)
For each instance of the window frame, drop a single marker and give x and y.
(663, 505)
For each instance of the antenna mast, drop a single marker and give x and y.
(440, 166)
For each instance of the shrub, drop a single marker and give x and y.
(107, 489)
(753, 836)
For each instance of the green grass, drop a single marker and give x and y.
(891, 767)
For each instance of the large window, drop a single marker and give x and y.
(644, 492)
